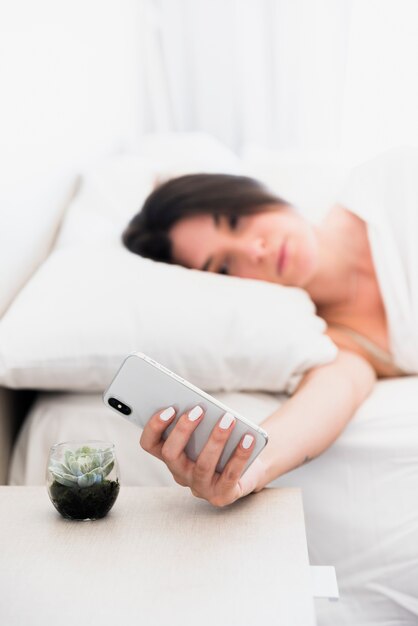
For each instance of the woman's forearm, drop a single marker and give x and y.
(311, 420)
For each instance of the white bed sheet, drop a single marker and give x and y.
(360, 496)
(64, 416)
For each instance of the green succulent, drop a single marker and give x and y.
(83, 468)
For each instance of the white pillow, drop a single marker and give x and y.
(92, 302)
(85, 310)
(115, 189)
(30, 214)
(108, 197)
(178, 153)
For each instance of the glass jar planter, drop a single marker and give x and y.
(83, 479)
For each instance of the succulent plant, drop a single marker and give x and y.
(83, 467)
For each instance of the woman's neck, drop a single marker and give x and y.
(334, 283)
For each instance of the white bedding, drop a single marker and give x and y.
(360, 496)
(61, 417)
(384, 193)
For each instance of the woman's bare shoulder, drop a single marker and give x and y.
(345, 342)
(348, 344)
(340, 216)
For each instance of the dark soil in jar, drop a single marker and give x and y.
(79, 503)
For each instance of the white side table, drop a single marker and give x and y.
(160, 558)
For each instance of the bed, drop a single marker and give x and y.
(359, 496)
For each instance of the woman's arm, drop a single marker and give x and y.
(311, 420)
(300, 430)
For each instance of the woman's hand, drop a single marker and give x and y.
(204, 482)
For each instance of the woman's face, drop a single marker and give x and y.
(277, 246)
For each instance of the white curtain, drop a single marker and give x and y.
(284, 74)
(381, 90)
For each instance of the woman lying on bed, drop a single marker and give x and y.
(233, 225)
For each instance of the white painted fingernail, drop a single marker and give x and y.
(226, 421)
(165, 415)
(247, 441)
(195, 413)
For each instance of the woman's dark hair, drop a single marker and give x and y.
(193, 194)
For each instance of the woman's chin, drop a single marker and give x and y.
(303, 273)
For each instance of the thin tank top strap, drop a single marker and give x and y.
(369, 346)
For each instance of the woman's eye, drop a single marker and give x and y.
(233, 221)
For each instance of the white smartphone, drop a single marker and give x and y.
(143, 387)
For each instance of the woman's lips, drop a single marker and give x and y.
(281, 261)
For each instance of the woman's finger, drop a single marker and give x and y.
(173, 448)
(233, 469)
(151, 440)
(208, 458)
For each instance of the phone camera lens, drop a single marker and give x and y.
(119, 406)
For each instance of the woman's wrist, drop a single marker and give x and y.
(260, 475)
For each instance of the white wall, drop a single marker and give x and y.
(70, 81)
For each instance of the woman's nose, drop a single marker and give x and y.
(256, 249)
